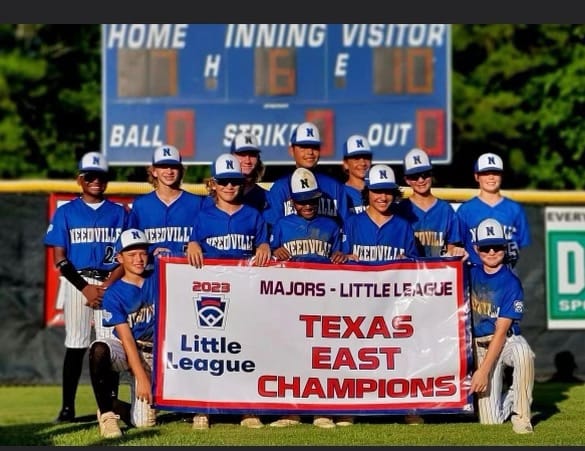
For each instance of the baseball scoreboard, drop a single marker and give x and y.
(196, 85)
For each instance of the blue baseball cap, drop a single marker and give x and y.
(93, 162)
(356, 145)
(490, 232)
(489, 162)
(416, 161)
(381, 176)
(245, 142)
(306, 134)
(226, 166)
(304, 185)
(166, 154)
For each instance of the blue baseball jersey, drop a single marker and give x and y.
(355, 202)
(222, 235)
(493, 296)
(374, 244)
(165, 225)
(507, 212)
(311, 240)
(88, 235)
(333, 202)
(256, 197)
(434, 228)
(128, 303)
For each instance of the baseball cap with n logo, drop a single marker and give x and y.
(356, 145)
(93, 162)
(131, 238)
(490, 232)
(381, 176)
(489, 162)
(306, 134)
(226, 166)
(303, 185)
(245, 142)
(166, 155)
(415, 161)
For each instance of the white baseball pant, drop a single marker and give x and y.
(141, 413)
(494, 406)
(78, 317)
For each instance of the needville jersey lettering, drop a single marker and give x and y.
(94, 235)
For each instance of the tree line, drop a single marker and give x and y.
(517, 90)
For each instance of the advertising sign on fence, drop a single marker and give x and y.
(565, 267)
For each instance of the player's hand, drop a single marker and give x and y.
(161, 252)
(93, 295)
(143, 389)
(282, 254)
(195, 254)
(457, 251)
(262, 256)
(479, 381)
(352, 258)
(338, 257)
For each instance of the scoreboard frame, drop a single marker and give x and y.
(196, 85)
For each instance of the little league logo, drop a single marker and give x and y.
(211, 311)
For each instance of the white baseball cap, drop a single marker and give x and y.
(93, 161)
(490, 231)
(166, 154)
(489, 162)
(226, 166)
(356, 145)
(381, 176)
(245, 142)
(304, 185)
(131, 238)
(306, 134)
(415, 161)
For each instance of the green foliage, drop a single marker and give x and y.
(557, 417)
(517, 90)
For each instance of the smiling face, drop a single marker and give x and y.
(167, 174)
(307, 208)
(492, 256)
(305, 156)
(248, 160)
(357, 167)
(421, 182)
(93, 184)
(133, 259)
(227, 190)
(380, 200)
(489, 181)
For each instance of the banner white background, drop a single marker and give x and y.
(312, 338)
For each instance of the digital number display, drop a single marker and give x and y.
(196, 85)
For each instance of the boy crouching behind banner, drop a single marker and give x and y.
(128, 307)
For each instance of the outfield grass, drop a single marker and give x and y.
(27, 414)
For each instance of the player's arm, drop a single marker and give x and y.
(143, 383)
(480, 378)
(93, 293)
(262, 254)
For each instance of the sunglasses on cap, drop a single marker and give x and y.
(94, 175)
(424, 175)
(226, 182)
(488, 247)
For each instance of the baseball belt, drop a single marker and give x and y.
(488, 339)
(97, 274)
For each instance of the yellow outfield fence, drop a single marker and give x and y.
(565, 197)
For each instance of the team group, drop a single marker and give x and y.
(307, 215)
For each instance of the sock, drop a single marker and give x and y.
(100, 372)
(72, 366)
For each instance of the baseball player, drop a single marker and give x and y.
(377, 235)
(166, 215)
(497, 304)
(435, 224)
(307, 237)
(128, 307)
(490, 203)
(305, 148)
(246, 149)
(83, 233)
(357, 161)
(228, 229)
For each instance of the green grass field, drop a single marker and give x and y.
(28, 411)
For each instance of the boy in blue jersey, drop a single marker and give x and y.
(305, 148)
(228, 229)
(377, 235)
(306, 236)
(497, 306)
(167, 213)
(246, 149)
(83, 234)
(434, 221)
(357, 161)
(490, 203)
(128, 306)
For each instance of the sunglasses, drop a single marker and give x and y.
(424, 175)
(91, 176)
(496, 247)
(314, 201)
(226, 182)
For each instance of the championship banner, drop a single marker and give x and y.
(312, 338)
(53, 312)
